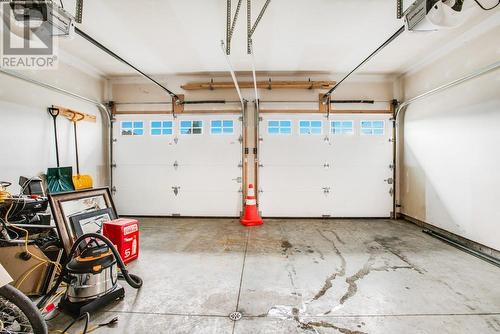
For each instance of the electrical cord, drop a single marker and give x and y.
(484, 8)
(86, 315)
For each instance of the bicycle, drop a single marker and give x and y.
(18, 314)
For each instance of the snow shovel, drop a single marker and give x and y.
(58, 179)
(80, 181)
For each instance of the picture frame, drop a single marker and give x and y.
(67, 204)
(90, 222)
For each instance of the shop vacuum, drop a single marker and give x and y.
(91, 276)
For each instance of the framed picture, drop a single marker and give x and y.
(90, 222)
(66, 205)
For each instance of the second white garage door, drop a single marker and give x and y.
(189, 166)
(314, 167)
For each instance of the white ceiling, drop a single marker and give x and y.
(173, 36)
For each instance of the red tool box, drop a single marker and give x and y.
(124, 234)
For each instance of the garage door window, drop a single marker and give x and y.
(219, 127)
(159, 128)
(191, 127)
(342, 127)
(279, 127)
(135, 128)
(372, 128)
(310, 127)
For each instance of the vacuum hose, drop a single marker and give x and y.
(133, 280)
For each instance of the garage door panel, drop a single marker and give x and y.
(214, 177)
(138, 189)
(294, 204)
(298, 177)
(181, 167)
(189, 202)
(342, 176)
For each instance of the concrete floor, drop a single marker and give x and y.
(303, 276)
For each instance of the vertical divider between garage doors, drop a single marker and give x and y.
(256, 150)
(244, 156)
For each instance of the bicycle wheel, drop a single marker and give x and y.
(18, 314)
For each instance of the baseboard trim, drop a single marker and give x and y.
(480, 248)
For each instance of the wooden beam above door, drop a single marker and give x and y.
(270, 84)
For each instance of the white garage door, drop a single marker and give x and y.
(189, 166)
(314, 167)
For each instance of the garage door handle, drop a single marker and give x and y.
(176, 190)
(326, 165)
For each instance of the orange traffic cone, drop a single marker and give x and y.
(250, 214)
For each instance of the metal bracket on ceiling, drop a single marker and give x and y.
(79, 11)
(251, 28)
(231, 23)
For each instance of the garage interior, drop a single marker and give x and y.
(283, 166)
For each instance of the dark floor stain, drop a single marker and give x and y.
(362, 273)
(285, 246)
(311, 325)
(339, 272)
(325, 324)
(310, 251)
(387, 244)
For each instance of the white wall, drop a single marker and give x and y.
(450, 175)
(26, 131)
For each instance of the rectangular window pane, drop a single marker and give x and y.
(285, 130)
(304, 123)
(228, 130)
(304, 131)
(273, 131)
(216, 131)
(316, 124)
(216, 123)
(155, 132)
(167, 131)
(316, 131)
(227, 123)
(197, 124)
(138, 125)
(138, 132)
(126, 132)
(366, 131)
(378, 131)
(347, 124)
(167, 124)
(378, 124)
(285, 123)
(127, 125)
(366, 124)
(156, 124)
(273, 123)
(197, 131)
(185, 124)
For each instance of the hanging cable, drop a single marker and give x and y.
(233, 75)
(254, 74)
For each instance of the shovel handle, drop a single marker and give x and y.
(54, 112)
